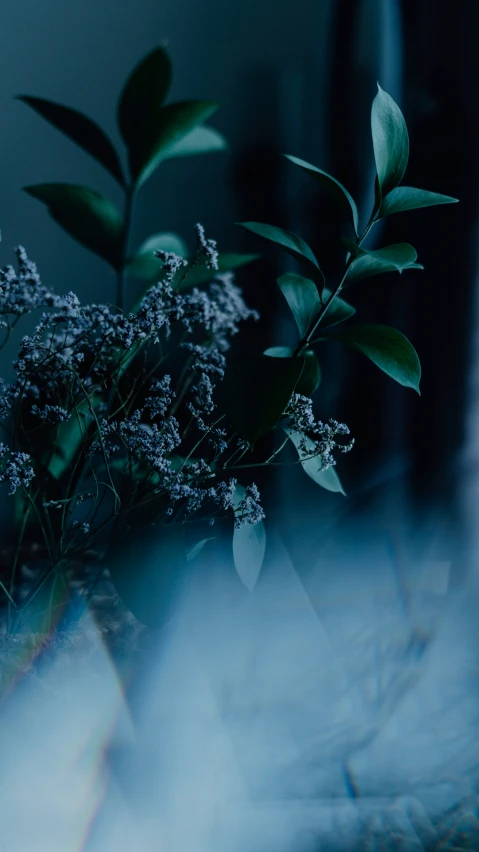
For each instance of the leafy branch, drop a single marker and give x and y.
(108, 450)
(316, 307)
(153, 132)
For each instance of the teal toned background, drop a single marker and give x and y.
(388, 576)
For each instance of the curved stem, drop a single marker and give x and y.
(307, 337)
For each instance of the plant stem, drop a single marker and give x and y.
(307, 337)
(121, 279)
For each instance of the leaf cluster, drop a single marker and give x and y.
(256, 388)
(152, 132)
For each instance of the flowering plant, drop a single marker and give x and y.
(127, 424)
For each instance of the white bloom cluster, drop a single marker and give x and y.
(161, 399)
(15, 469)
(318, 439)
(250, 510)
(187, 481)
(73, 367)
(206, 249)
(22, 291)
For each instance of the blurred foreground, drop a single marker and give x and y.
(338, 711)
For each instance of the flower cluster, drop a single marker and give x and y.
(150, 450)
(249, 510)
(206, 249)
(15, 469)
(22, 291)
(136, 434)
(316, 438)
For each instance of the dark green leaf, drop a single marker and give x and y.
(249, 545)
(310, 378)
(165, 131)
(143, 94)
(144, 264)
(390, 141)
(338, 311)
(311, 463)
(303, 299)
(148, 567)
(227, 261)
(338, 192)
(89, 217)
(257, 389)
(69, 438)
(82, 130)
(395, 258)
(290, 242)
(388, 348)
(408, 198)
(200, 140)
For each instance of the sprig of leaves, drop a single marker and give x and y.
(153, 131)
(260, 392)
(318, 310)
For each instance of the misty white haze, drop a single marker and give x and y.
(260, 722)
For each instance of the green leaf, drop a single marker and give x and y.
(249, 545)
(227, 261)
(200, 140)
(257, 389)
(142, 96)
(166, 129)
(69, 438)
(311, 463)
(148, 567)
(89, 217)
(386, 347)
(408, 198)
(390, 141)
(395, 258)
(290, 242)
(144, 264)
(82, 130)
(194, 551)
(303, 299)
(310, 378)
(279, 352)
(338, 311)
(338, 192)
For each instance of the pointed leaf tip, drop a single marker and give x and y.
(312, 464)
(366, 263)
(404, 198)
(90, 218)
(336, 190)
(87, 134)
(289, 242)
(390, 141)
(386, 347)
(303, 299)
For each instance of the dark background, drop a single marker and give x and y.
(295, 77)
